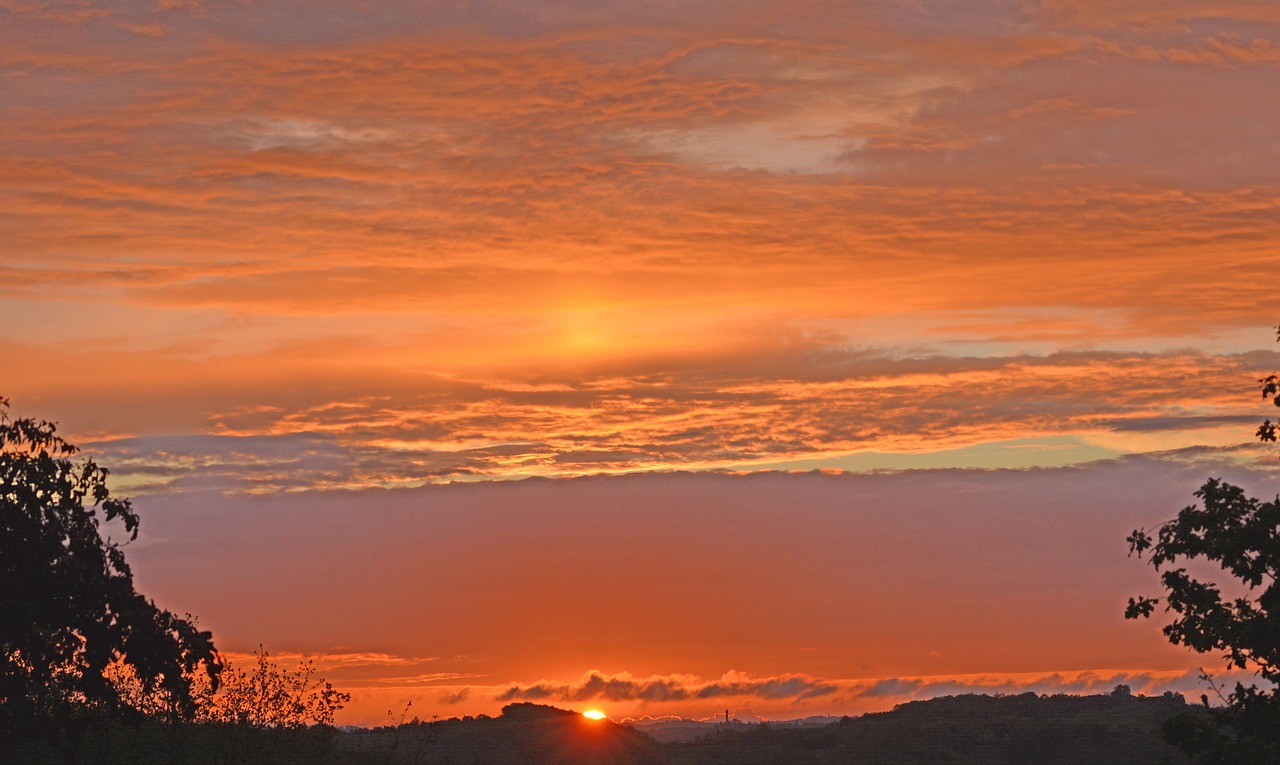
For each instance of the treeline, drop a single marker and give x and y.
(958, 730)
(101, 740)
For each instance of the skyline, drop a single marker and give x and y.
(747, 316)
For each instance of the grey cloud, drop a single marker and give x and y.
(893, 687)
(800, 688)
(1081, 683)
(616, 689)
(795, 686)
(530, 693)
(1176, 422)
(1048, 125)
(597, 686)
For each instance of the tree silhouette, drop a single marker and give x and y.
(70, 618)
(1240, 537)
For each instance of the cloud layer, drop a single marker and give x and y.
(415, 242)
(803, 406)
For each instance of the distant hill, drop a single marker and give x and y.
(1117, 729)
(524, 734)
(669, 730)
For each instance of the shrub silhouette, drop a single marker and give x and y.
(269, 696)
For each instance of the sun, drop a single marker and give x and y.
(594, 714)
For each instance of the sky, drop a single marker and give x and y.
(661, 357)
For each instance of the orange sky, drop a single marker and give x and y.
(290, 270)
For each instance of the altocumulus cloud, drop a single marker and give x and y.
(725, 414)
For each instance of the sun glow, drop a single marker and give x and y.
(594, 714)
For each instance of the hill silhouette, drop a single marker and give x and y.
(533, 734)
(954, 730)
(959, 730)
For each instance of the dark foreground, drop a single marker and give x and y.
(1055, 730)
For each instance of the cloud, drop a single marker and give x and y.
(362, 669)
(795, 687)
(595, 686)
(739, 687)
(800, 405)
(624, 163)
(1086, 682)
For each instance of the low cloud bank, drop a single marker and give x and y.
(623, 687)
(799, 688)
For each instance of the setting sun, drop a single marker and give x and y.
(594, 714)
